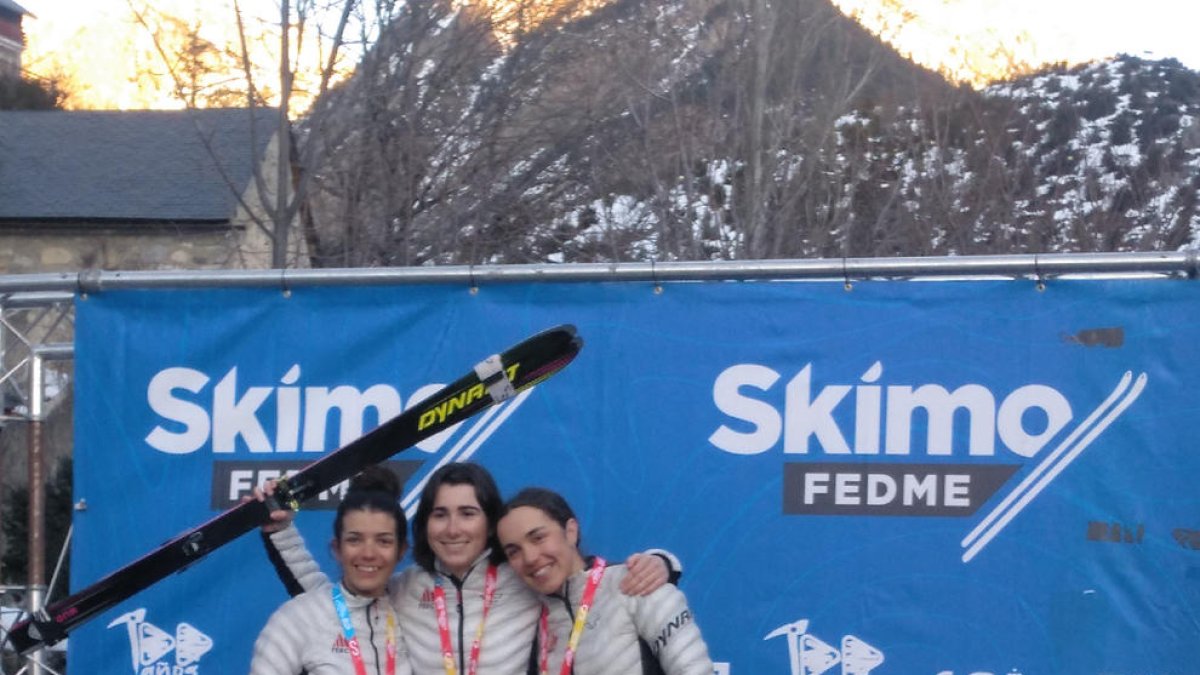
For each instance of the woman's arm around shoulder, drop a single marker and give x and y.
(649, 570)
(666, 623)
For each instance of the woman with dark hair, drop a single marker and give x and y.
(461, 608)
(586, 626)
(348, 628)
(461, 489)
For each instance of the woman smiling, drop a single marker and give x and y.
(461, 608)
(586, 626)
(349, 627)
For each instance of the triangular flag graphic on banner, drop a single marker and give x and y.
(858, 657)
(190, 644)
(816, 656)
(153, 643)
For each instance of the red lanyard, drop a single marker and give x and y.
(343, 612)
(443, 621)
(585, 604)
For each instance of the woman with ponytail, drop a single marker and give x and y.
(351, 627)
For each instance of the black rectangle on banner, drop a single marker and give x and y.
(877, 489)
(233, 480)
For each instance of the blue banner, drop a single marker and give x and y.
(911, 478)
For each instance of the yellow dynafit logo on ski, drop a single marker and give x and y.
(443, 409)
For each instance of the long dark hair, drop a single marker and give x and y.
(376, 488)
(486, 493)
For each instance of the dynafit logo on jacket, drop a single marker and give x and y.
(858, 441)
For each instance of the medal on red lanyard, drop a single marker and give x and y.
(585, 604)
(343, 612)
(443, 621)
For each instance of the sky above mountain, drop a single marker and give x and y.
(975, 38)
(99, 48)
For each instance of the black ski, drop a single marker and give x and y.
(493, 380)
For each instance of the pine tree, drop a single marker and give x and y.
(15, 562)
(17, 93)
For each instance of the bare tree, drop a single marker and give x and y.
(204, 74)
(406, 139)
(741, 145)
(744, 128)
(200, 72)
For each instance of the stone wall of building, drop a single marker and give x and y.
(50, 249)
(254, 220)
(242, 243)
(33, 248)
(11, 43)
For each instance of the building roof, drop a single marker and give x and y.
(13, 7)
(145, 165)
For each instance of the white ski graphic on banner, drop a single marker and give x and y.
(1121, 398)
(466, 446)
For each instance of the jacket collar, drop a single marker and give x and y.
(354, 601)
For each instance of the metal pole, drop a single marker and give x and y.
(37, 503)
(3, 368)
(1170, 264)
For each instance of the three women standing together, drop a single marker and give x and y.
(461, 609)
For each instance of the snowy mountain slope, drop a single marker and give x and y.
(701, 129)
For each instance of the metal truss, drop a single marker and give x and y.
(36, 338)
(36, 345)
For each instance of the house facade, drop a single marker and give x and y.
(12, 39)
(137, 190)
(118, 190)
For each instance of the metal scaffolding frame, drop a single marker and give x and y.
(26, 348)
(32, 327)
(1037, 267)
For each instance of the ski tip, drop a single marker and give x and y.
(555, 339)
(566, 330)
(565, 354)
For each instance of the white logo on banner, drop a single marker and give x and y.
(230, 412)
(151, 647)
(810, 655)
(881, 428)
(193, 417)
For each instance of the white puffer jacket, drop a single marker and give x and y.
(609, 644)
(305, 634)
(511, 623)
(507, 636)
